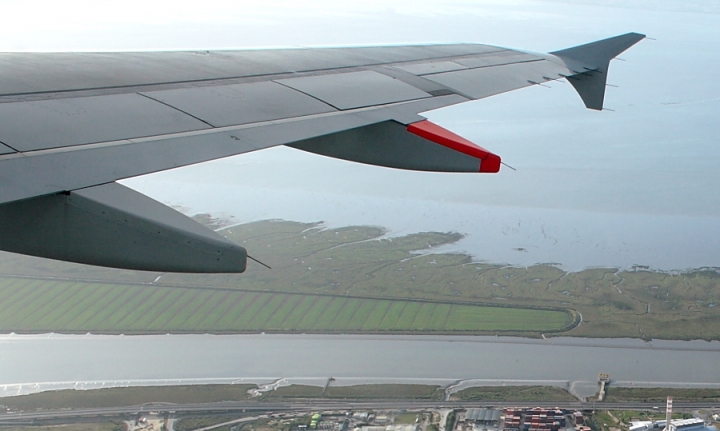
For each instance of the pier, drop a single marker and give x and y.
(603, 380)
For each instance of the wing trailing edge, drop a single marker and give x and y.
(111, 225)
(590, 63)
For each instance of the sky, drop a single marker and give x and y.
(633, 186)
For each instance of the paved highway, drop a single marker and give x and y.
(323, 405)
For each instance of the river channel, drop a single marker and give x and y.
(32, 363)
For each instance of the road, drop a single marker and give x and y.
(323, 405)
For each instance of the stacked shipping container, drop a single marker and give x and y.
(535, 419)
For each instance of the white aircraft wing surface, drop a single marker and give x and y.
(71, 124)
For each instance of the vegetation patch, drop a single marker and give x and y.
(80, 307)
(357, 268)
(193, 423)
(84, 426)
(407, 418)
(390, 391)
(293, 391)
(380, 391)
(513, 393)
(131, 396)
(659, 395)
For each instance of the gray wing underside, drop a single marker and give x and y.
(74, 121)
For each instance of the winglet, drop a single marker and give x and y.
(590, 63)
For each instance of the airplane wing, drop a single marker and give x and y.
(71, 124)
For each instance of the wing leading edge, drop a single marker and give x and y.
(72, 124)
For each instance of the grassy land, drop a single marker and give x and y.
(100, 426)
(659, 395)
(271, 424)
(353, 263)
(390, 391)
(603, 420)
(28, 305)
(426, 392)
(293, 391)
(193, 423)
(407, 418)
(113, 397)
(513, 393)
(132, 396)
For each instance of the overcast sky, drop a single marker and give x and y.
(633, 186)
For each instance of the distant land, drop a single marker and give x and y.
(354, 279)
(190, 394)
(206, 394)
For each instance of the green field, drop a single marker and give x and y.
(193, 423)
(659, 395)
(371, 283)
(358, 392)
(131, 396)
(190, 394)
(99, 426)
(513, 393)
(31, 305)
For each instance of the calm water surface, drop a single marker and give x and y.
(31, 363)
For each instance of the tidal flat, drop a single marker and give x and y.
(402, 282)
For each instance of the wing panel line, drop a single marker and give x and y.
(488, 66)
(55, 170)
(176, 108)
(441, 102)
(305, 93)
(6, 145)
(257, 75)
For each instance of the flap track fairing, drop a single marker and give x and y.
(111, 225)
(421, 146)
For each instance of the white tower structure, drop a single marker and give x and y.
(668, 413)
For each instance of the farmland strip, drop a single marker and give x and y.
(82, 319)
(292, 321)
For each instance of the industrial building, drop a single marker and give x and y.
(675, 425)
(483, 416)
(686, 424)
